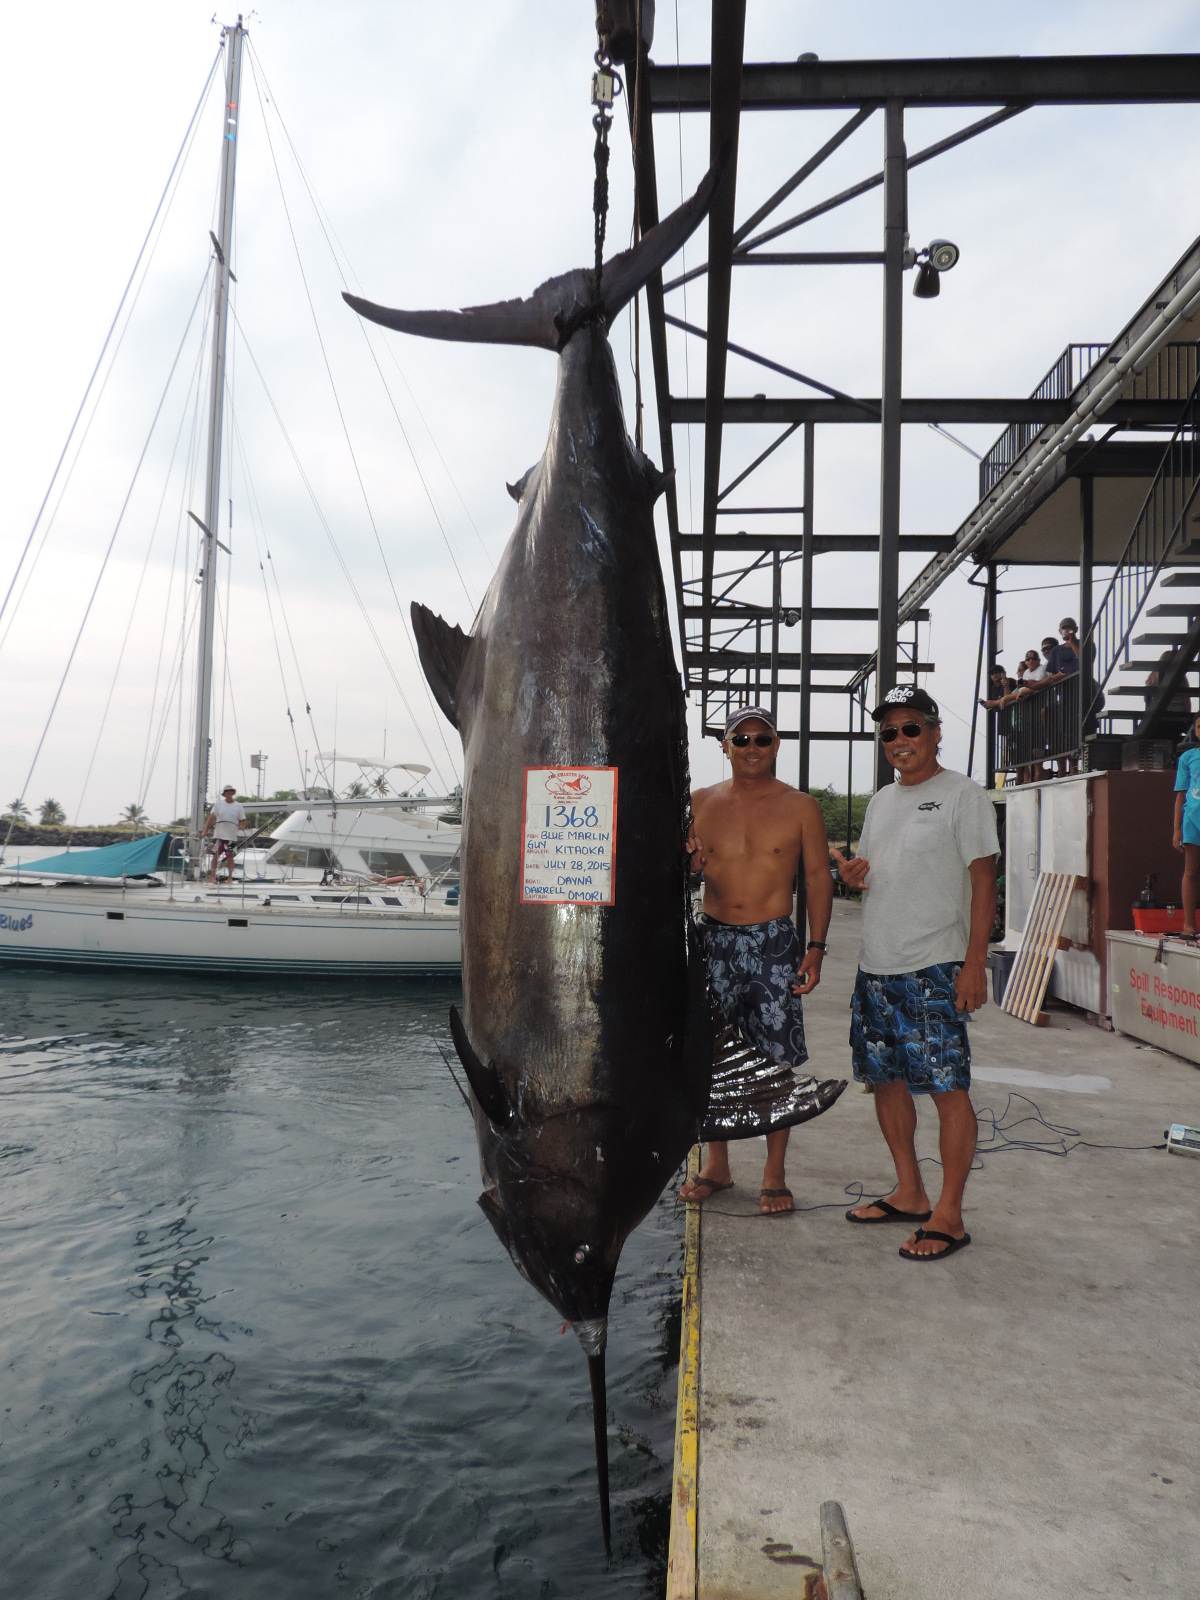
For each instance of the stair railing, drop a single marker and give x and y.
(1158, 534)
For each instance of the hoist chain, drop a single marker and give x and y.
(606, 85)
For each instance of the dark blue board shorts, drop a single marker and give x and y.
(751, 970)
(904, 1029)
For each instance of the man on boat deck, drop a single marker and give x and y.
(228, 816)
(749, 835)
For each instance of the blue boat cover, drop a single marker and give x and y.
(137, 859)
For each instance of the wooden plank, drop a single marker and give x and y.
(1041, 939)
(681, 1562)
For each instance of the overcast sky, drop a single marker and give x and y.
(450, 147)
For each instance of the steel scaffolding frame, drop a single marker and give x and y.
(731, 646)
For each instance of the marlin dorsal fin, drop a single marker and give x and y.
(485, 1081)
(517, 490)
(442, 650)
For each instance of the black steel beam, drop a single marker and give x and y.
(723, 80)
(647, 204)
(823, 543)
(782, 409)
(747, 610)
(831, 144)
(864, 186)
(809, 258)
(866, 735)
(791, 660)
(806, 589)
(962, 81)
(895, 238)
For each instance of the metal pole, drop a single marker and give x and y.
(895, 224)
(992, 654)
(806, 604)
(983, 615)
(850, 779)
(233, 38)
(1086, 553)
(776, 599)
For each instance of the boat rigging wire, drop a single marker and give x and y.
(349, 278)
(337, 400)
(141, 798)
(228, 683)
(255, 522)
(107, 554)
(329, 534)
(180, 158)
(182, 528)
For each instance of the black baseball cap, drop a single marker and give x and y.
(910, 696)
(746, 714)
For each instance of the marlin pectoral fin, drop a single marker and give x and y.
(699, 1030)
(485, 1081)
(492, 1209)
(442, 650)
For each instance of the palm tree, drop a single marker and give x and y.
(18, 811)
(51, 813)
(134, 815)
(379, 784)
(357, 790)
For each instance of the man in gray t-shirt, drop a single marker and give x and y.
(927, 865)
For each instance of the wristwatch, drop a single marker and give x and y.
(817, 944)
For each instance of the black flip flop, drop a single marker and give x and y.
(952, 1244)
(893, 1214)
(776, 1194)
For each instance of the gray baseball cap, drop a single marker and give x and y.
(747, 714)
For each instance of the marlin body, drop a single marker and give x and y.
(587, 1035)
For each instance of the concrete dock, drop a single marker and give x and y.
(1020, 1421)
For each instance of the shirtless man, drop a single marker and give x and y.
(749, 835)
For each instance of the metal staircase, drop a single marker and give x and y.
(1153, 580)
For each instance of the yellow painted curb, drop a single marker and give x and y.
(681, 1565)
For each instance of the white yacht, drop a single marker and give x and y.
(352, 886)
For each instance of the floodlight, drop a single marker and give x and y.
(942, 254)
(928, 282)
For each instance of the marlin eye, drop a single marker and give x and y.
(581, 1254)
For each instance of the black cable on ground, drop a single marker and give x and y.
(1064, 1139)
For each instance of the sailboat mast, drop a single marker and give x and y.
(233, 38)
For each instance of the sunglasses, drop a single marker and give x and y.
(762, 740)
(910, 730)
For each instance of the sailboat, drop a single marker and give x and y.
(144, 906)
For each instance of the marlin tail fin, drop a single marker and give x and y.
(559, 306)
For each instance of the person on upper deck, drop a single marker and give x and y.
(1063, 659)
(750, 835)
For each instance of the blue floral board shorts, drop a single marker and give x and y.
(904, 1029)
(751, 969)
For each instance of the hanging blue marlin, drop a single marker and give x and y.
(587, 1038)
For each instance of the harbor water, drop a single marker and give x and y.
(259, 1341)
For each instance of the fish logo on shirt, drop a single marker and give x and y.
(930, 805)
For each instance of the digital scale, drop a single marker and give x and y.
(1182, 1140)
